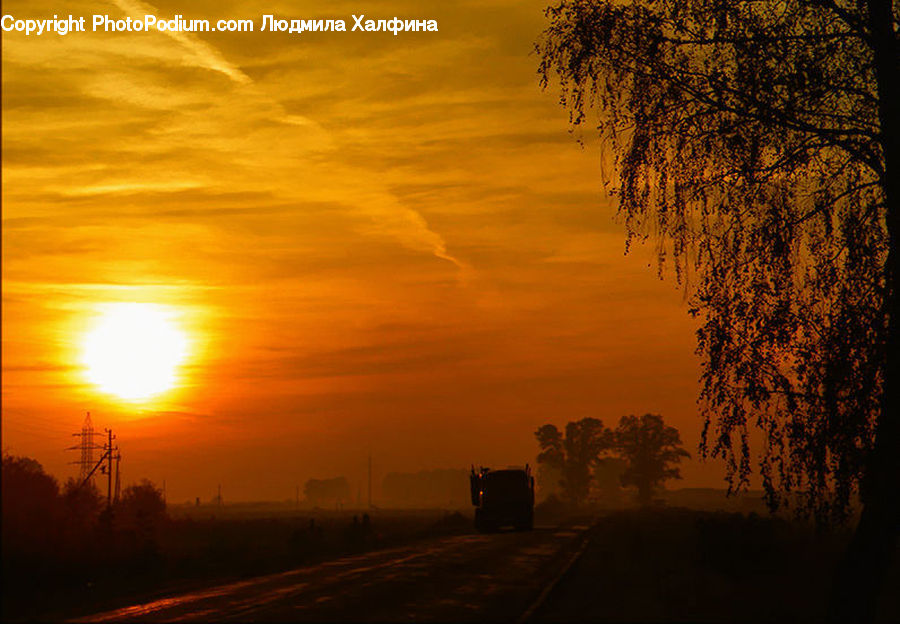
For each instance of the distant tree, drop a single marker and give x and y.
(574, 455)
(759, 144)
(651, 451)
(135, 522)
(141, 508)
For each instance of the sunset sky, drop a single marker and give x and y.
(373, 243)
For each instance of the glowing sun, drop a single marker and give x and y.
(134, 350)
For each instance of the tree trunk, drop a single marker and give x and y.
(862, 572)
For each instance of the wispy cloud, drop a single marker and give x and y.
(200, 53)
(404, 223)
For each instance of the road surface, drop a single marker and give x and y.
(495, 577)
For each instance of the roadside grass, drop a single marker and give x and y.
(683, 565)
(204, 547)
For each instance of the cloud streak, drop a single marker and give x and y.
(404, 223)
(201, 54)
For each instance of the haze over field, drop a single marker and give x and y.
(371, 244)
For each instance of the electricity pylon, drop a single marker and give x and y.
(87, 447)
(89, 467)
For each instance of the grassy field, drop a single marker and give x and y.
(689, 565)
(205, 545)
(668, 564)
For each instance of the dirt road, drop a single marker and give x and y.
(494, 577)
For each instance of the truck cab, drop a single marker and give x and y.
(503, 498)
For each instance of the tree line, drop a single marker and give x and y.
(52, 531)
(641, 453)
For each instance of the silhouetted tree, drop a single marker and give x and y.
(83, 506)
(31, 508)
(607, 479)
(142, 502)
(139, 513)
(83, 502)
(650, 450)
(574, 455)
(759, 143)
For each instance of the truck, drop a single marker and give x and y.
(503, 498)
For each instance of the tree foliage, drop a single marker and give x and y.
(141, 505)
(750, 143)
(138, 516)
(574, 455)
(651, 451)
(83, 502)
(606, 480)
(31, 507)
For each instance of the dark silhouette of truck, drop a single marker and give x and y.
(503, 498)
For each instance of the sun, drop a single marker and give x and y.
(134, 350)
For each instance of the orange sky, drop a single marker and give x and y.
(375, 243)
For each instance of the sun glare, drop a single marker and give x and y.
(134, 350)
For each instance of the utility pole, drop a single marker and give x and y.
(118, 481)
(219, 495)
(370, 480)
(109, 472)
